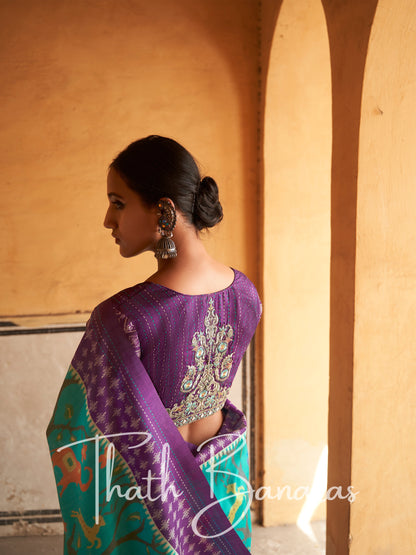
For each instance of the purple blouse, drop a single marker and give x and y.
(190, 345)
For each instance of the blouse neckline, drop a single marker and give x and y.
(199, 294)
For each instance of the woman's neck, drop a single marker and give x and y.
(193, 270)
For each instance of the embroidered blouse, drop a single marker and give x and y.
(190, 345)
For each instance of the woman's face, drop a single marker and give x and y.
(133, 223)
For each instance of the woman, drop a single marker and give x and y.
(148, 453)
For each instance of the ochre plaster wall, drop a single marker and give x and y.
(349, 25)
(297, 156)
(80, 80)
(384, 415)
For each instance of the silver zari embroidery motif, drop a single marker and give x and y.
(202, 383)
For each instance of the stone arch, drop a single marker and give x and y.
(297, 173)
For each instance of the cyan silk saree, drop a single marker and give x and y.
(127, 481)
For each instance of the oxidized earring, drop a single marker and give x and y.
(165, 247)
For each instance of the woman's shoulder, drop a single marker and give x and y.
(247, 289)
(148, 296)
(124, 297)
(242, 280)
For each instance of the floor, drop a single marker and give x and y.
(288, 540)
(282, 540)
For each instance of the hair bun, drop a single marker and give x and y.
(208, 209)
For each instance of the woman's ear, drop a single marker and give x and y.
(166, 199)
(165, 247)
(166, 214)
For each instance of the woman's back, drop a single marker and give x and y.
(191, 346)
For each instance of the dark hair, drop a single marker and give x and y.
(157, 167)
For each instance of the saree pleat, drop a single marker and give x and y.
(127, 481)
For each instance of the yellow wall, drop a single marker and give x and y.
(80, 80)
(297, 156)
(349, 25)
(384, 408)
(372, 387)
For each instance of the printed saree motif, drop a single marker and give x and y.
(127, 481)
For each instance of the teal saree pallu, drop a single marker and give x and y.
(127, 482)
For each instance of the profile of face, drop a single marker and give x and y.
(133, 223)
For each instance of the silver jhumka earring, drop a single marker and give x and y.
(165, 247)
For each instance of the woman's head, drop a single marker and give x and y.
(156, 167)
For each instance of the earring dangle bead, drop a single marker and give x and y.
(165, 247)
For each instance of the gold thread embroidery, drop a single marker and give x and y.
(202, 382)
